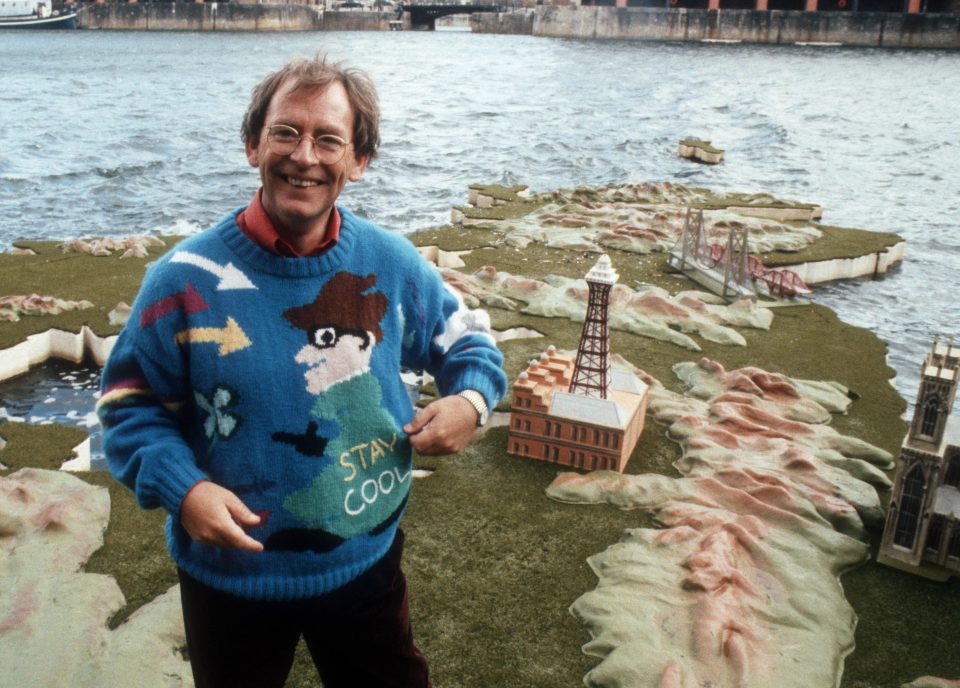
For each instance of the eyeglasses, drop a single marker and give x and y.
(284, 140)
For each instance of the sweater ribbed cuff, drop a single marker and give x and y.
(176, 474)
(481, 383)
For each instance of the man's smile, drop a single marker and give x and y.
(297, 181)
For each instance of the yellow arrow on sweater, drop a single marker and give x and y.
(230, 338)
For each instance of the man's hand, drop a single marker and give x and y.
(444, 426)
(215, 516)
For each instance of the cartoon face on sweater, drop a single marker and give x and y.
(342, 326)
(334, 354)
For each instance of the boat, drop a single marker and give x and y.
(34, 14)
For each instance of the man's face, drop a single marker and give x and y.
(299, 191)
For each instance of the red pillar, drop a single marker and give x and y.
(913, 6)
(811, 6)
(621, 3)
(762, 4)
(713, 5)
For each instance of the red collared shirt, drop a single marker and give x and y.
(258, 227)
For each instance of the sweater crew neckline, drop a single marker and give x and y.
(282, 266)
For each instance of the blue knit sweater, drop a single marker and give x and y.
(279, 379)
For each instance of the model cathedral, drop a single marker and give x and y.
(578, 412)
(922, 532)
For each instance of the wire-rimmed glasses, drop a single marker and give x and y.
(284, 139)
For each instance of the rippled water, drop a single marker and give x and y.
(116, 133)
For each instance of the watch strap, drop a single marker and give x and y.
(478, 402)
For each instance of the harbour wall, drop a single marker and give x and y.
(213, 16)
(878, 29)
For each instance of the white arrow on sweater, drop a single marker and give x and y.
(230, 277)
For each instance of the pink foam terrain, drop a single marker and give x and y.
(130, 247)
(53, 616)
(739, 587)
(643, 218)
(12, 307)
(932, 682)
(647, 310)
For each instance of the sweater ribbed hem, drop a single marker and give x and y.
(276, 586)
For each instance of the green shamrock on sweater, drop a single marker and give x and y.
(219, 423)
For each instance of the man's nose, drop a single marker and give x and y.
(305, 153)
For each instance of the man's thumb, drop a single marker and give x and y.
(416, 423)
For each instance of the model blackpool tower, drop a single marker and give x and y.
(591, 373)
(576, 411)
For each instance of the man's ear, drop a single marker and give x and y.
(252, 148)
(359, 167)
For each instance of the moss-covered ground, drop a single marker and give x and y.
(492, 563)
(836, 242)
(102, 280)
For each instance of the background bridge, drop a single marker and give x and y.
(424, 17)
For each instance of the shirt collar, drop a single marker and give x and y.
(257, 226)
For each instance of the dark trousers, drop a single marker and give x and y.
(358, 635)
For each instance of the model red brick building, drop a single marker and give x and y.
(578, 412)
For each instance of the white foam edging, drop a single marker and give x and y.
(442, 259)
(80, 463)
(69, 346)
(845, 268)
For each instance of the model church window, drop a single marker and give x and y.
(909, 508)
(954, 549)
(935, 533)
(931, 412)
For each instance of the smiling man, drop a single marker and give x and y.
(301, 183)
(285, 464)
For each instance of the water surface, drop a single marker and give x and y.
(114, 133)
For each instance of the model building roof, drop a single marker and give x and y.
(588, 409)
(603, 272)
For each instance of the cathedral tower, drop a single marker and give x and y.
(922, 530)
(938, 388)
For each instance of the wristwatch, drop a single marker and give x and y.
(477, 402)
